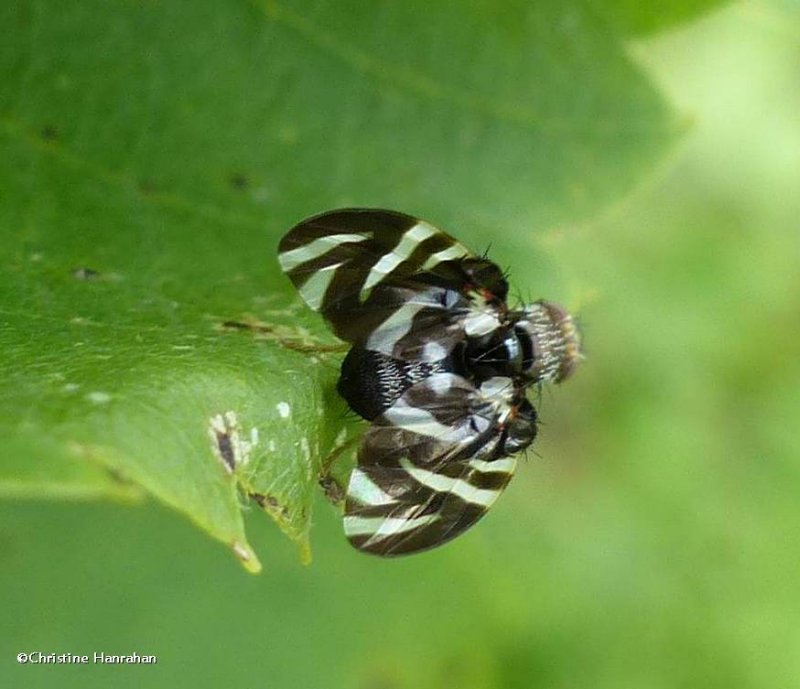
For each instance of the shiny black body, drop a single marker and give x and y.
(371, 382)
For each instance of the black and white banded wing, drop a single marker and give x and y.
(388, 281)
(428, 469)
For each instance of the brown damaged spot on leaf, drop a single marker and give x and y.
(225, 450)
(85, 273)
(247, 557)
(269, 503)
(282, 516)
(131, 490)
(239, 181)
(294, 338)
(49, 133)
(147, 187)
(118, 477)
(228, 442)
(333, 490)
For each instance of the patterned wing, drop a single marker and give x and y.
(391, 282)
(428, 469)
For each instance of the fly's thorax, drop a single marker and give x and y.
(499, 353)
(550, 342)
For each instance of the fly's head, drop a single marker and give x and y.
(550, 342)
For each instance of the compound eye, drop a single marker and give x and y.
(527, 412)
(528, 349)
(521, 429)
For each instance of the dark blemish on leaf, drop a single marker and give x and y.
(238, 325)
(84, 273)
(270, 332)
(226, 450)
(147, 187)
(333, 491)
(271, 504)
(264, 500)
(239, 181)
(49, 133)
(116, 476)
(227, 443)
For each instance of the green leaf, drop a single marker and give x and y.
(634, 18)
(155, 152)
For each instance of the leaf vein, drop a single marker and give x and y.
(428, 88)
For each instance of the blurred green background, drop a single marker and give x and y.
(652, 543)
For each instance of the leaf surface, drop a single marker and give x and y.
(154, 153)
